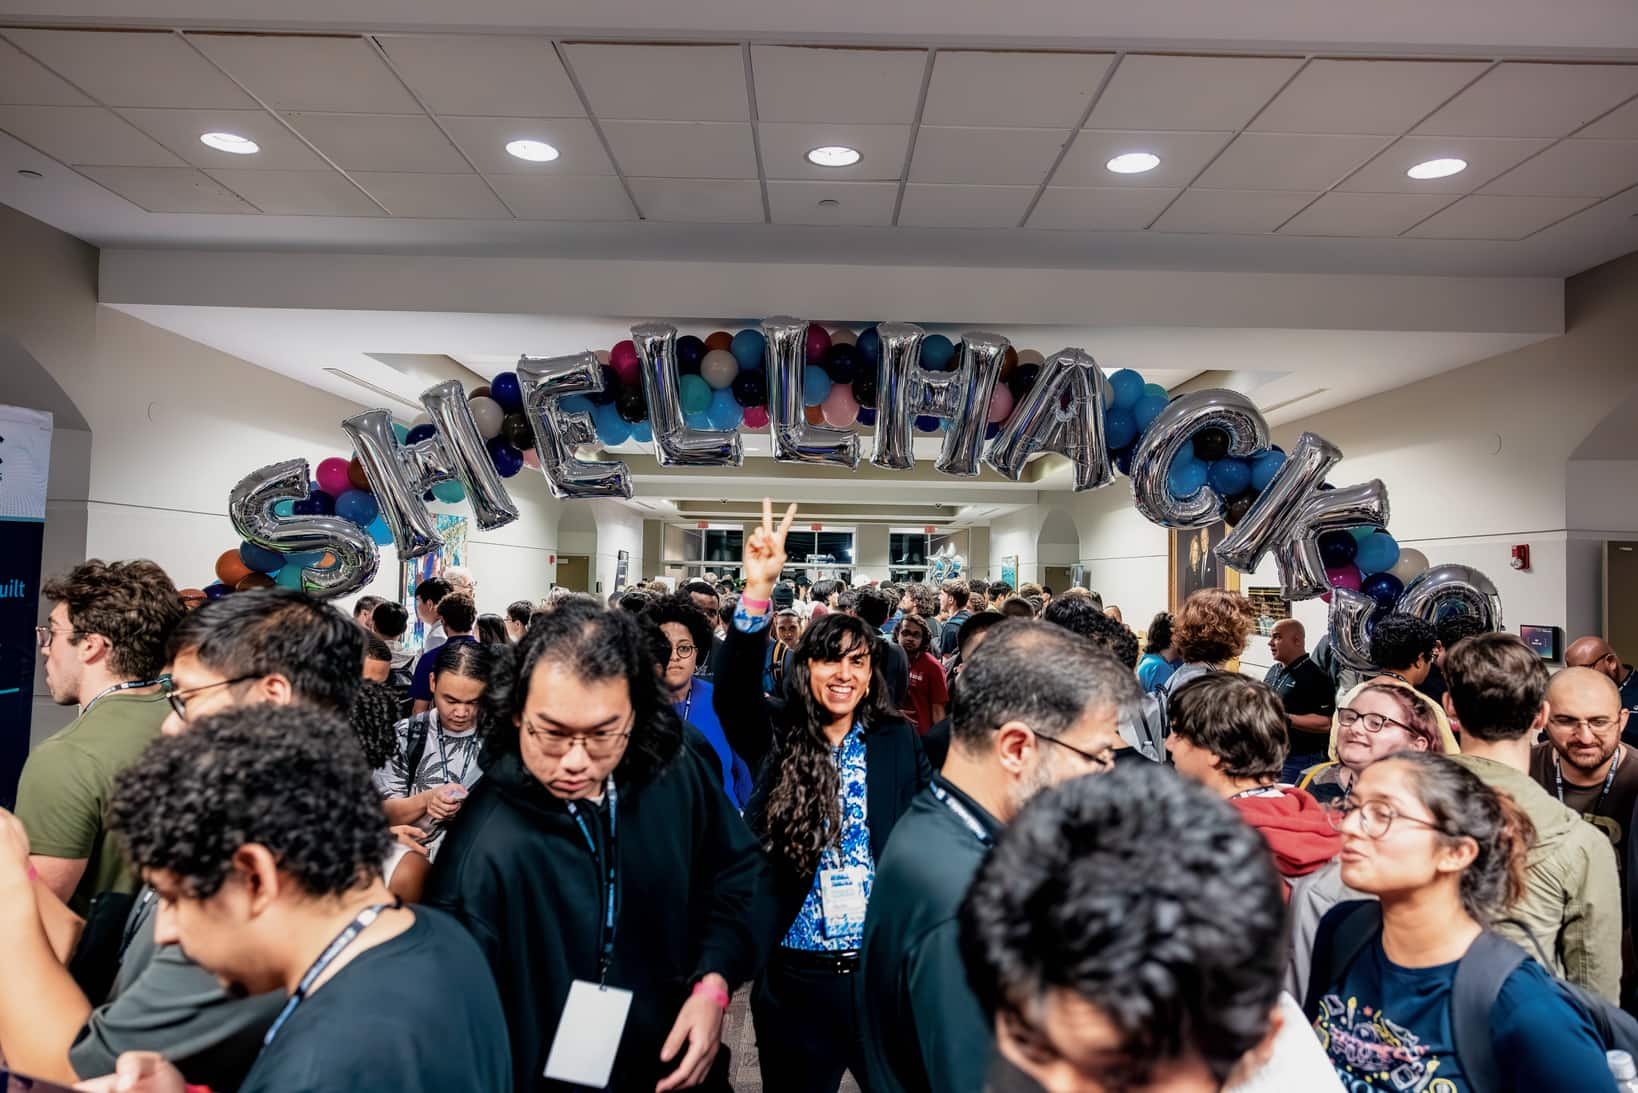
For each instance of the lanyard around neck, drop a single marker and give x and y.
(128, 685)
(443, 757)
(963, 814)
(1609, 779)
(339, 945)
(608, 861)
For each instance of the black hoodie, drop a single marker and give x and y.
(694, 897)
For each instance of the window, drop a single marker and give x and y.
(914, 555)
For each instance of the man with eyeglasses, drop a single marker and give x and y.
(1584, 763)
(1035, 705)
(1596, 653)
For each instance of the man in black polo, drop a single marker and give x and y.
(1307, 694)
(1035, 705)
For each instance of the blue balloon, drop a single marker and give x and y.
(1147, 409)
(1229, 476)
(690, 351)
(400, 431)
(1378, 553)
(697, 420)
(577, 404)
(1384, 588)
(937, 352)
(642, 432)
(450, 493)
(992, 430)
(870, 344)
(1123, 460)
(317, 503)
(288, 577)
(506, 390)
(420, 433)
(1119, 428)
(1186, 476)
(358, 506)
(926, 423)
(260, 558)
(312, 557)
(379, 531)
(815, 385)
(1127, 387)
(867, 416)
(612, 429)
(749, 348)
(285, 507)
(724, 412)
(1337, 549)
(1264, 466)
(507, 459)
(216, 590)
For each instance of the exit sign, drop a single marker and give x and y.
(702, 525)
(929, 529)
(816, 527)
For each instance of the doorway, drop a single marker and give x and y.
(1621, 597)
(574, 572)
(1055, 577)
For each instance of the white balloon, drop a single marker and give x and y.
(602, 355)
(487, 414)
(1030, 356)
(841, 335)
(1412, 564)
(719, 368)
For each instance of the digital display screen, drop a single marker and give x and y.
(1543, 639)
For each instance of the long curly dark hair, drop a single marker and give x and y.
(804, 807)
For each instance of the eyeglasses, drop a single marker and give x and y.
(598, 745)
(1103, 760)
(179, 699)
(1375, 817)
(683, 651)
(1596, 724)
(44, 634)
(1374, 722)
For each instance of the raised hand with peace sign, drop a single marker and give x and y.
(764, 557)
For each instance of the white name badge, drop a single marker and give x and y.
(588, 1036)
(842, 900)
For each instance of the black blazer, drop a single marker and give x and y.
(896, 768)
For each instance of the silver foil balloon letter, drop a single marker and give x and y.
(1292, 511)
(546, 382)
(1062, 413)
(1350, 612)
(1174, 427)
(795, 440)
(250, 507)
(1453, 589)
(905, 389)
(676, 444)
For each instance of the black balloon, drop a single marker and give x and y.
(750, 388)
(864, 388)
(1237, 506)
(1022, 379)
(1210, 445)
(631, 404)
(1123, 459)
(515, 428)
(841, 362)
(690, 351)
(611, 387)
(1337, 548)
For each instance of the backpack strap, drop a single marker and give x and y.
(1343, 934)
(1479, 978)
(415, 747)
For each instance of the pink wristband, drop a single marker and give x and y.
(754, 605)
(33, 873)
(716, 994)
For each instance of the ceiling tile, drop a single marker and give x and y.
(169, 189)
(564, 197)
(928, 205)
(433, 196)
(985, 157)
(487, 76)
(1090, 208)
(309, 72)
(1483, 216)
(785, 147)
(179, 130)
(1201, 93)
(1574, 168)
(1238, 212)
(732, 202)
(84, 134)
(661, 83)
(1375, 97)
(1027, 89)
(1182, 155)
(673, 149)
(133, 68)
(298, 193)
(26, 82)
(858, 204)
(1486, 158)
(801, 84)
(484, 142)
(1288, 161)
(1364, 214)
(1618, 124)
(1534, 100)
(380, 142)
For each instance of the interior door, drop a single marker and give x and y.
(574, 572)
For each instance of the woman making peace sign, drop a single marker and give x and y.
(836, 767)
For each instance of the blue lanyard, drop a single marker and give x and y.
(609, 864)
(963, 815)
(345, 938)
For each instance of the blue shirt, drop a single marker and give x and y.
(1154, 670)
(699, 712)
(421, 686)
(808, 931)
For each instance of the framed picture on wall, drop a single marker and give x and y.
(1194, 565)
(1009, 570)
(452, 531)
(622, 567)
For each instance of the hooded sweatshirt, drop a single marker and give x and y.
(693, 897)
(1295, 828)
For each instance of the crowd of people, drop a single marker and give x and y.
(952, 838)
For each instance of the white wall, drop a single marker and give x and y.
(619, 527)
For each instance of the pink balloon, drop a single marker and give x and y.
(818, 341)
(840, 408)
(756, 417)
(331, 477)
(1344, 576)
(1000, 403)
(622, 353)
(629, 371)
(531, 458)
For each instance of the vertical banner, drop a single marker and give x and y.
(25, 461)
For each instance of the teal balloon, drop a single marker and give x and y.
(1154, 389)
(695, 394)
(449, 492)
(1378, 553)
(379, 531)
(748, 348)
(1186, 476)
(936, 352)
(815, 385)
(1147, 409)
(1363, 532)
(289, 576)
(312, 557)
(400, 431)
(286, 507)
(1127, 387)
(724, 412)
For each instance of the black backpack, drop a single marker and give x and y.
(1349, 927)
(415, 747)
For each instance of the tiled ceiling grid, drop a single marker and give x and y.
(414, 126)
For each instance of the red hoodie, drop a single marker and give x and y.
(1295, 828)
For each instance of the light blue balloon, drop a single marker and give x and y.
(724, 412)
(1127, 388)
(379, 531)
(1229, 476)
(1119, 427)
(400, 431)
(641, 433)
(289, 576)
(1186, 476)
(815, 385)
(450, 493)
(1378, 553)
(748, 348)
(1154, 389)
(1264, 466)
(699, 420)
(286, 507)
(1147, 409)
(612, 429)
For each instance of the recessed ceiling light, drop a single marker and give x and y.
(834, 155)
(1437, 168)
(1133, 163)
(230, 142)
(829, 203)
(535, 151)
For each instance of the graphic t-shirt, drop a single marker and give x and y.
(1610, 812)
(1387, 1029)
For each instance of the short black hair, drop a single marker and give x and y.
(467, 659)
(1497, 684)
(277, 631)
(1017, 607)
(1147, 897)
(978, 586)
(433, 589)
(1159, 634)
(1235, 718)
(702, 587)
(975, 625)
(458, 613)
(1398, 639)
(390, 620)
(286, 777)
(520, 611)
(1079, 615)
(823, 590)
(784, 594)
(679, 607)
(1000, 590)
(376, 649)
(1453, 628)
(873, 606)
(1036, 673)
(633, 601)
(492, 630)
(367, 604)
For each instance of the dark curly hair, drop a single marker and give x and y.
(265, 774)
(803, 814)
(1147, 897)
(679, 608)
(1235, 718)
(1399, 640)
(372, 716)
(1212, 626)
(1080, 615)
(132, 604)
(277, 631)
(595, 644)
(1159, 634)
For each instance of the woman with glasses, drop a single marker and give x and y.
(1378, 718)
(615, 891)
(836, 767)
(684, 633)
(1444, 856)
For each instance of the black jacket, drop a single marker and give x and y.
(895, 767)
(693, 898)
(895, 670)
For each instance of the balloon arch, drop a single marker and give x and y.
(1192, 460)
